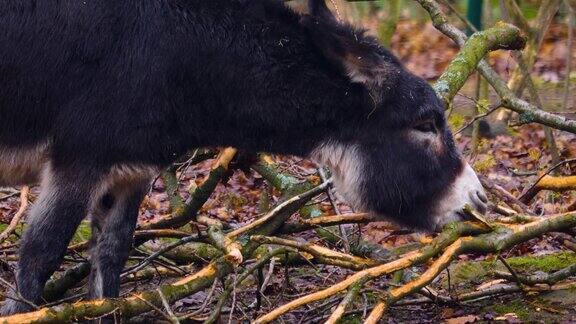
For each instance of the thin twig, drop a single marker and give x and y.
(171, 316)
(159, 253)
(511, 270)
(24, 193)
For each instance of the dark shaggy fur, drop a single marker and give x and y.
(99, 90)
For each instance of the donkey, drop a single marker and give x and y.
(97, 96)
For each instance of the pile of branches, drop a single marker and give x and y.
(231, 256)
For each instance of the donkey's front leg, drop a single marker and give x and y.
(114, 237)
(62, 205)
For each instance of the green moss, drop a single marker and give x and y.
(371, 297)
(547, 263)
(526, 118)
(512, 131)
(351, 319)
(485, 164)
(518, 306)
(471, 272)
(17, 231)
(483, 105)
(533, 310)
(83, 233)
(476, 272)
(456, 121)
(193, 252)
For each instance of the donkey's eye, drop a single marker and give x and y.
(426, 127)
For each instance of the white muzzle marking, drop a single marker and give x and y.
(466, 189)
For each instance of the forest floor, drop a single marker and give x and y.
(512, 160)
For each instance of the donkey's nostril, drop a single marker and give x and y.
(482, 208)
(479, 201)
(482, 196)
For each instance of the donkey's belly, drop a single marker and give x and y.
(21, 165)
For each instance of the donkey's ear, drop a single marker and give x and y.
(347, 48)
(361, 60)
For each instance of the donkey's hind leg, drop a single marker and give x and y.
(65, 195)
(114, 229)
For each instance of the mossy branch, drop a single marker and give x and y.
(348, 299)
(322, 254)
(501, 36)
(541, 278)
(228, 245)
(528, 112)
(325, 221)
(186, 212)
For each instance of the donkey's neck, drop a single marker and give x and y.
(265, 87)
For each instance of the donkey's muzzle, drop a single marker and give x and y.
(465, 190)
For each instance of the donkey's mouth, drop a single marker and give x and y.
(479, 204)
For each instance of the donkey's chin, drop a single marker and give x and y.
(465, 190)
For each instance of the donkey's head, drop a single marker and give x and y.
(401, 163)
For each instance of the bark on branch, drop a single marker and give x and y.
(501, 36)
(548, 182)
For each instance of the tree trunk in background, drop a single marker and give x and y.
(474, 14)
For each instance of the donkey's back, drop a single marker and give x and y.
(88, 78)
